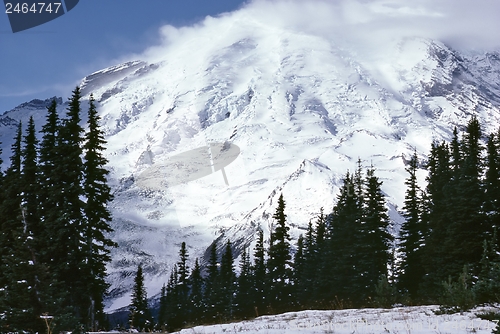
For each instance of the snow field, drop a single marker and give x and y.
(402, 320)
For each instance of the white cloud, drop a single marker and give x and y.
(463, 24)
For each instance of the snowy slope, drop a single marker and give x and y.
(300, 106)
(417, 320)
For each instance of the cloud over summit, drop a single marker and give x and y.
(463, 24)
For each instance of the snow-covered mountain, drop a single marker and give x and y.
(300, 107)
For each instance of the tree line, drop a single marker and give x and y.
(446, 251)
(449, 239)
(337, 263)
(53, 224)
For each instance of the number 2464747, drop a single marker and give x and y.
(34, 8)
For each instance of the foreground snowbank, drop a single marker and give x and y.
(415, 320)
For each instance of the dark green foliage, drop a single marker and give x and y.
(318, 265)
(458, 296)
(259, 269)
(29, 182)
(243, 297)
(467, 228)
(433, 253)
(49, 183)
(139, 316)
(306, 265)
(172, 302)
(279, 262)
(162, 312)
(299, 282)
(492, 181)
(376, 239)
(487, 288)
(211, 294)
(97, 218)
(54, 216)
(227, 286)
(385, 293)
(457, 221)
(17, 275)
(65, 224)
(182, 287)
(196, 294)
(341, 279)
(412, 235)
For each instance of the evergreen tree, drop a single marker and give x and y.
(227, 278)
(162, 312)
(18, 299)
(376, 257)
(98, 195)
(244, 288)
(172, 302)
(456, 162)
(29, 182)
(321, 252)
(139, 315)
(183, 285)
(279, 263)
(466, 229)
(10, 208)
(305, 267)
(299, 284)
(211, 294)
(411, 234)
(437, 197)
(259, 270)
(50, 191)
(487, 288)
(492, 181)
(340, 281)
(196, 294)
(65, 251)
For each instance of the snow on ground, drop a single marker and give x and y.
(415, 320)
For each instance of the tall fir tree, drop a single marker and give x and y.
(466, 228)
(279, 262)
(299, 282)
(172, 302)
(50, 191)
(227, 278)
(29, 182)
(66, 227)
(10, 207)
(305, 267)
(18, 303)
(139, 316)
(244, 306)
(340, 281)
(436, 204)
(321, 251)
(183, 285)
(97, 217)
(196, 294)
(211, 294)
(376, 256)
(161, 324)
(492, 181)
(411, 234)
(259, 276)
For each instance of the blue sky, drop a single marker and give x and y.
(52, 58)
